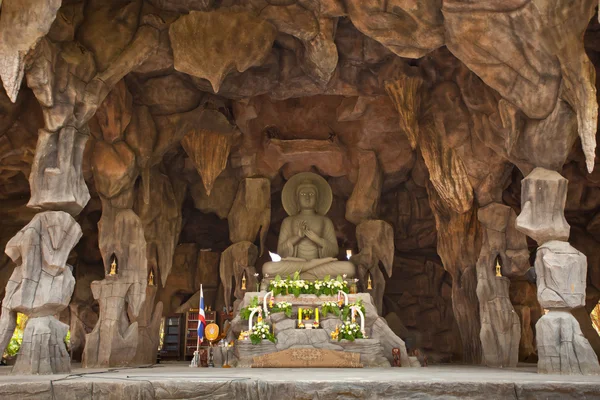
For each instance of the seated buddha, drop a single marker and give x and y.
(307, 241)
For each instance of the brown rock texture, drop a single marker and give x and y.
(167, 129)
(500, 325)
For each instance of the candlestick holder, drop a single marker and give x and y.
(211, 362)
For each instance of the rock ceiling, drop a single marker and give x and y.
(416, 111)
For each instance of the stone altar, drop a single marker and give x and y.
(375, 350)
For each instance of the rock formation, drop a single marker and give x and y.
(40, 287)
(175, 125)
(500, 325)
(561, 277)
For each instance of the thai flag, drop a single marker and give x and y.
(201, 317)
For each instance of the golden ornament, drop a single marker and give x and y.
(211, 332)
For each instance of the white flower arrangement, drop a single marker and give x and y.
(283, 306)
(350, 330)
(297, 286)
(261, 331)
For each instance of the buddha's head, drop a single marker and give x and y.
(307, 196)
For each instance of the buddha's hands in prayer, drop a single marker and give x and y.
(302, 229)
(314, 237)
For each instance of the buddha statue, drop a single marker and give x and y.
(307, 241)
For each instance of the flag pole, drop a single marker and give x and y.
(199, 309)
(196, 359)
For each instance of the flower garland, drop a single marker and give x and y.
(297, 286)
(330, 307)
(349, 330)
(261, 331)
(283, 306)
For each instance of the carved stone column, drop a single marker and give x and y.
(561, 276)
(500, 324)
(376, 244)
(40, 287)
(249, 217)
(121, 295)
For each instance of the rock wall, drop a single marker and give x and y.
(106, 110)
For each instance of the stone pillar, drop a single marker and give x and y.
(376, 244)
(121, 295)
(148, 329)
(561, 276)
(40, 287)
(249, 217)
(64, 78)
(500, 324)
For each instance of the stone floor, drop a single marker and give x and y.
(177, 381)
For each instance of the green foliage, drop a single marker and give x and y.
(297, 286)
(350, 331)
(330, 307)
(15, 344)
(261, 331)
(246, 311)
(346, 312)
(283, 306)
(12, 349)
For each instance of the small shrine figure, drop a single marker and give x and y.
(334, 334)
(271, 302)
(369, 283)
(151, 278)
(396, 356)
(498, 269)
(113, 267)
(353, 286)
(244, 281)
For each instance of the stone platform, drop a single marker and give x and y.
(376, 351)
(177, 381)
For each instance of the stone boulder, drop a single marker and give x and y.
(562, 348)
(561, 275)
(543, 198)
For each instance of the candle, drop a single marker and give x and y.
(317, 314)
(299, 315)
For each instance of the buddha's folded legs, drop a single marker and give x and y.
(308, 270)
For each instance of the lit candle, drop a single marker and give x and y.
(317, 314)
(299, 315)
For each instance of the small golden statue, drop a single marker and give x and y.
(334, 334)
(113, 267)
(369, 283)
(498, 269)
(151, 278)
(271, 302)
(244, 335)
(244, 281)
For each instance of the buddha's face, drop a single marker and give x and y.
(307, 198)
